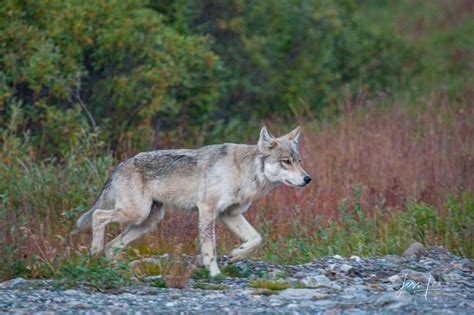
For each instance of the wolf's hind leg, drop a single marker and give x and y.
(134, 232)
(238, 225)
(100, 219)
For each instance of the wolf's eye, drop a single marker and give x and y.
(286, 161)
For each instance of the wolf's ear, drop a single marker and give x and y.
(294, 135)
(266, 140)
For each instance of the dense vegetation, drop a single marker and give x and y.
(383, 90)
(154, 72)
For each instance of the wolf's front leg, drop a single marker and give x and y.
(207, 237)
(247, 234)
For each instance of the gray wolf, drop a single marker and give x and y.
(220, 181)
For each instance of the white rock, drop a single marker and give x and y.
(317, 281)
(338, 257)
(346, 268)
(356, 258)
(395, 279)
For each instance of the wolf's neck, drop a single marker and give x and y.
(253, 182)
(262, 184)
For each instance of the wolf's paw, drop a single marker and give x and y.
(214, 271)
(238, 254)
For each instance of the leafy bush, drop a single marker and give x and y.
(150, 72)
(40, 200)
(236, 272)
(116, 59)
(294, 54)
(93, 274)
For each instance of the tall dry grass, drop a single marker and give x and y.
(394, 154)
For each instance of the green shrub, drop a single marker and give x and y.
(116, 60)
(236, 272)
(93, 274)
(200, 273)
(282, 55)
(40, 201)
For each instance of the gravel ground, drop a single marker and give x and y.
(435, 282)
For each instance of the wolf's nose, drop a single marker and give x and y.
(307, 179)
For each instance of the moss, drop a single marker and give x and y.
(269, 285)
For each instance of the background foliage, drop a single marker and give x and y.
(118, 59)
(146, 72)
(383, 89)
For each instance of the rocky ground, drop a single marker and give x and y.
(435, 281)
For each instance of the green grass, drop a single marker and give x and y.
(158, 283)
(265, 292)
(201, 273)
(269, 284)
(379, 232)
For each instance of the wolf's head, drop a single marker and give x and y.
(282, 158)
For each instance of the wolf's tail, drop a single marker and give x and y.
(85, 220)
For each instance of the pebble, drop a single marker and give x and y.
(395, 279)
(346, 268)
